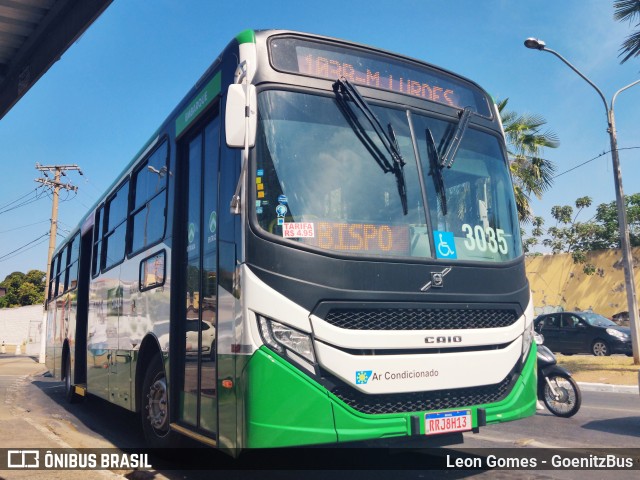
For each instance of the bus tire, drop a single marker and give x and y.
(155, 406)
(69, 389)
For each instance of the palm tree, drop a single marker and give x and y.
(531, 173)
(628, 10)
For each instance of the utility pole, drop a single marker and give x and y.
(623, 227)
(56, 185)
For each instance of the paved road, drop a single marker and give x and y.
(605, 420)
(34, 414)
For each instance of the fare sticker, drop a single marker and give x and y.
(298, 230)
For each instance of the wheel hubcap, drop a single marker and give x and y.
(157, 404)
(563, 395)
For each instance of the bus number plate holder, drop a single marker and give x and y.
(447, 422)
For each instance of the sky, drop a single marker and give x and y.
(112, 89)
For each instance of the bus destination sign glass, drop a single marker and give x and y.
(333, 61)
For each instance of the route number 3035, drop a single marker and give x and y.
(483, 239)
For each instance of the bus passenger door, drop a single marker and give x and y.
(197, 396)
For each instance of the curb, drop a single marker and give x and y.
(605, 387)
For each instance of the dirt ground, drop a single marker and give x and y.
(614, 370)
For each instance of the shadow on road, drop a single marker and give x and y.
(115, 424)
(629, 426)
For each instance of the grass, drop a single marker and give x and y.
(614, 370)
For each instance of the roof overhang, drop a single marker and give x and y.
(33, 36)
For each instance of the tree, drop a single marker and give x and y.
(531, 173)
(37, 278)
(29, 294)
(628, 10)
(11, 283)
(569, 235)
(537, 230)
(23, 289)
(607, 220)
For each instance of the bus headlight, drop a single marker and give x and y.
(287, 341)
(527, 340)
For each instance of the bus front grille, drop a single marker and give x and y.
(420, 318)
(422, 401)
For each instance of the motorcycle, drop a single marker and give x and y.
(556, 387)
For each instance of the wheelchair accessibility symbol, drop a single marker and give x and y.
(445, 244)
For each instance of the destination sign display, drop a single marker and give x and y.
(364, 238)
(376, 70)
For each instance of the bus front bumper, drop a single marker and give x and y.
(284, 407)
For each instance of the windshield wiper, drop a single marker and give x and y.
(437, 162)
(435, 170)
(454, 141)
(345, 91)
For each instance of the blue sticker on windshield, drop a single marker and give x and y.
(281, 210)
(445, 244)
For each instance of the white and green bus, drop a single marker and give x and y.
(319, 245)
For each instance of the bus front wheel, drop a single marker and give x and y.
(155, 406)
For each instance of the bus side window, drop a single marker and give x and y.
(52, 279)
(61, 271)
(152, 270)
(72, 271)
(96, 263)
(148, 216)
(116, 226)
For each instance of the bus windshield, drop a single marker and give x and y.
(320, 183)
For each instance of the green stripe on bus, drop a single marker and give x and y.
(284, 407)
(204, 98)
(246, 36)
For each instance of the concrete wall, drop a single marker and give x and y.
(21, 325)
(557, 283)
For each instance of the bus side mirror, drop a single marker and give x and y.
(236, 113)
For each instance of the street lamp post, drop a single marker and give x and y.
(625, 244)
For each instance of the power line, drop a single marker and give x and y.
(7, 208)
(65, 225)
(591, 160)
(19, 198)
(25, 250)
(23, 226)
(4, 257)
(20, 205)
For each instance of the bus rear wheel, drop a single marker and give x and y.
(155, 406)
